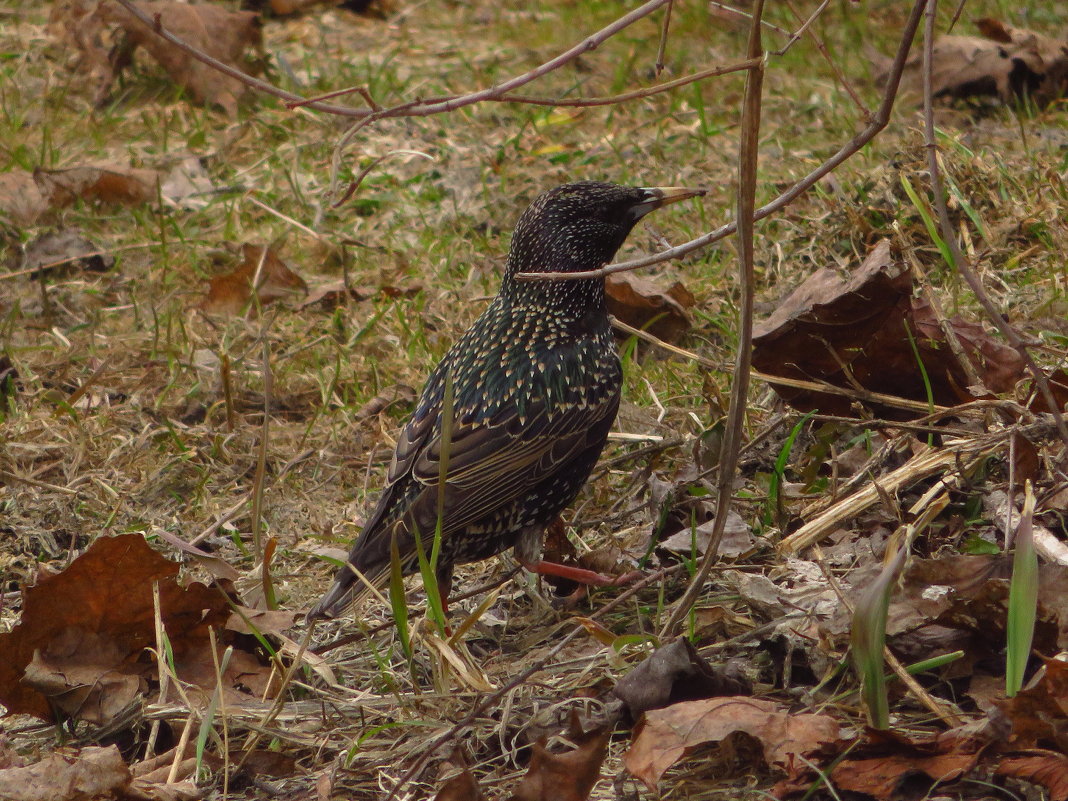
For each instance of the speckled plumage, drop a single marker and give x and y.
(536, 384)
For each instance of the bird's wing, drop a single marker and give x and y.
(492, 462)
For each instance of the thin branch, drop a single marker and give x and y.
(662, 47)
(748, 152)
(611, 100)
(414, 108)
(878, 122)
(963, 265)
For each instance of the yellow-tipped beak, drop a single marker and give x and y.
(657, 196)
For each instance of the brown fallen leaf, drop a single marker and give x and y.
(867, 331)
(641, 303)
(1058, 385)
(1005, 63)
(64, 248)
(107, 183)
(667, 735)
(398, 394)
(79, 647)
(1039, 712)
(1038, 766)
(461, 786)
(567, 776)
(21, 200)
(332, 294)
(93, 772)
(225, 35)
(672, 674)
(231, 294)
(881, 766)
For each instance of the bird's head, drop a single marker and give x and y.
(580, 226)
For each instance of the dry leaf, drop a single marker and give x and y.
(567, 776)
(461, 786)
(108, 183)
(1038, 766)
(80, 644)
(1007, 64)
(92, 773)
(63, 248)
(667, 735)
(224, 35)
(187, 185)
(21, 200)
(231, 294)
(882, 766)
(397, 394)
(671, 674)
(641, 303)
(1039, 712)
(332, 294)
(867, 331)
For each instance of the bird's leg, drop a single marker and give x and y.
(528, 554)
(444, 582)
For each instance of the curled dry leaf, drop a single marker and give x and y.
(868, 332)
(398, 394)
(93, 772)
(64, 248)
(334, 293)
(224, 35)
(667, 735)
(1039, 712)
(79, 647)
(671, 674)
(461, 786)
(24, 196)
(107, 183)
(231, 294)
(568, 775)
(1005, 63)
(1038, 766)
(641, 303)
(21, 200)
(886, 761)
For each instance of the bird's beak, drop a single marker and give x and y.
(657, 196)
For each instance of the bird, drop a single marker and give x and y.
(511, 422)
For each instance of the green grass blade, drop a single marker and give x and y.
(869, 640)
(1023, 598)
(928, 221)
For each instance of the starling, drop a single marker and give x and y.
(525, 397)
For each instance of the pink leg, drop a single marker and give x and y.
(580, 575)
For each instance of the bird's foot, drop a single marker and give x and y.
(580, 575)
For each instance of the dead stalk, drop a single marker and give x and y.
(732, 436)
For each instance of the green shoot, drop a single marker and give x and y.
(1023, 598)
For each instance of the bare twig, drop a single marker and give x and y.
(732, 435)
(662, 47)
(414, 108)
(878, 122)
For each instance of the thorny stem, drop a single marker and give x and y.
(963, 265)
(878, 122)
